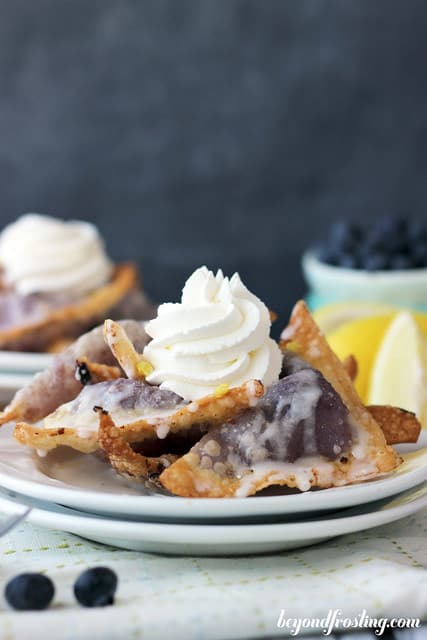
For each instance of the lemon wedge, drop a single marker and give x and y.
(332, 316)
(421, 319)
(360, 338)
(399, 371)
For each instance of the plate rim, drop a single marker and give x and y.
(223, 534)
(24, 361)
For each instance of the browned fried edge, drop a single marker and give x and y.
(398, 425)
(120, 454)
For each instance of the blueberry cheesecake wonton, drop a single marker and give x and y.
(56, 282)
(204, 402)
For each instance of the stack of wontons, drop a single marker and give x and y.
(308, 429)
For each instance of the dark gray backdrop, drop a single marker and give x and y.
(225, 132)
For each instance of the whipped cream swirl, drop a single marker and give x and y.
(40, 254)
(219, 334)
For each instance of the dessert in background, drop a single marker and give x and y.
(56, 282)
(205, 403)
(384, 261)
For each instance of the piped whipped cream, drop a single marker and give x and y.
(40, 254)
(219, 334)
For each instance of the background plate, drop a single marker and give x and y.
(17, 369)
(10, 383)
(19, 362)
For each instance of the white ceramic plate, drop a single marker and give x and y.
(18, 362)
(10, 383)
(89, 484)
(17, 369)
(202, 539)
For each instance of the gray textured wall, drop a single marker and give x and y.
(226, 132)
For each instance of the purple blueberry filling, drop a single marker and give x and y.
(300, 415)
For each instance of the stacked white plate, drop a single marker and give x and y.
(16, 369)
(82, 495)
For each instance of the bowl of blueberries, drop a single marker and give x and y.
(383, 261)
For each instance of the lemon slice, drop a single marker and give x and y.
(333, 316)
(399, 373)
(421, 319)
(360, 338)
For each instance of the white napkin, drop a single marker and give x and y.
(380, 571)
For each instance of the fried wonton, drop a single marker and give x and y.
(58, 384)
(71, 319)
(75, 424)
(170, 435)
(309, 430)
(146, 415)
(398, 425)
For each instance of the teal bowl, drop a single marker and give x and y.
(328, 284)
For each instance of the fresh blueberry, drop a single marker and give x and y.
(29, 591)
(348, 261)
(416, 232)
(395, 242)
(374, 243)
(96, 587)
(392, 224)
(390, 242)
(327, 255)
(345, 235)
(401, 261)
(375, 262)
(419, 254)
(389, 235)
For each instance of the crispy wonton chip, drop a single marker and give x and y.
(58, 384)
(240, 460)
(398, 425)
(74, 319)
(115, 442)
(47, 439)
(190, 422)
(88, 372)
(350, 365)
(122, 348)
(309, 342)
